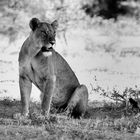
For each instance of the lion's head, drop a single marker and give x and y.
(43, 34)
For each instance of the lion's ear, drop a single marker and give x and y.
(34, 22)
(55, 24)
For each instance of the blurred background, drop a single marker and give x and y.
(100, 39)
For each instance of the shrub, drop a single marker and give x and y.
(107, 8)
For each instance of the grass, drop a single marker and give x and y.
(99, 123)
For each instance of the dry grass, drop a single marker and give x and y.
(98, 123)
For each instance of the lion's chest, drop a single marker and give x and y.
(66, 82)
(40, 72)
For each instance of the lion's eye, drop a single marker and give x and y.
(43, 33)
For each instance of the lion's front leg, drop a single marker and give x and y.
(25, 91)
(47, 95)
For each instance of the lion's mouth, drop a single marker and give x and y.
(45, 49)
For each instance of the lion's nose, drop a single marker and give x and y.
(52, 42)
(43, 49)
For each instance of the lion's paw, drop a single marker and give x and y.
(69, 110)
(19, 116)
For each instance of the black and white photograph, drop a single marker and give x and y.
(69, 69)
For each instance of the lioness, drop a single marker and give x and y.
(41, 65)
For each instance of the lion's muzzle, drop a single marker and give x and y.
(52, 42)
(46, 51)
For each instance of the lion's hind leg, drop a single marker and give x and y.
(78, 103)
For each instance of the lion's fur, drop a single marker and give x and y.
(51, 74)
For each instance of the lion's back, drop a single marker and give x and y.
(66, 80)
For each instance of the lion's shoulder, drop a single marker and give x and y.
(24, 50)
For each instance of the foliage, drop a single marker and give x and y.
(18, 13)
(109, 8)
(116, 95)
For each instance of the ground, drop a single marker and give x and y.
(98, 123)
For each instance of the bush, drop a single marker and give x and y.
(106, 8)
